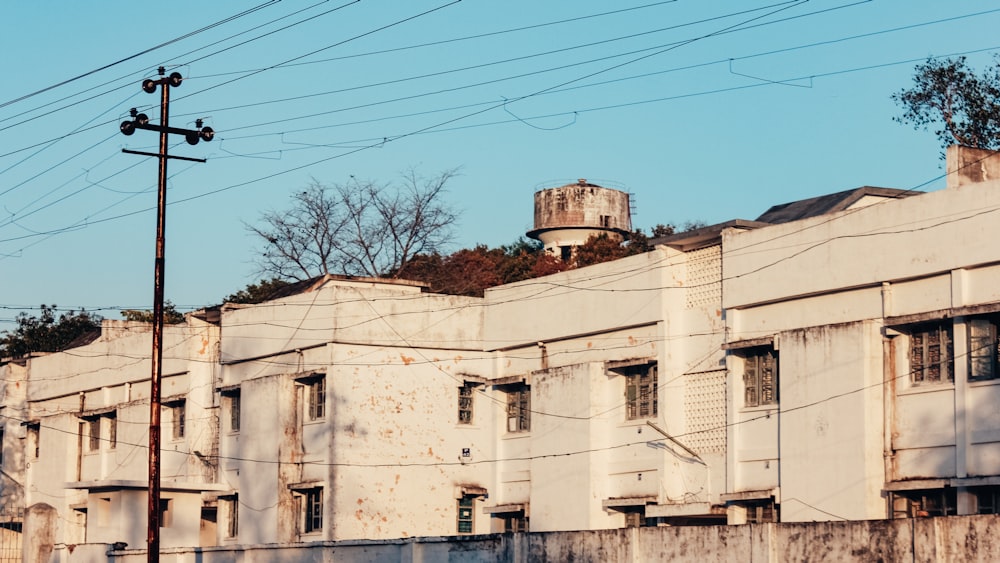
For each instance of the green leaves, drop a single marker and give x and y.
(947, 94)
(46, 333)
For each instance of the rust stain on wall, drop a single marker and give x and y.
(406, 359)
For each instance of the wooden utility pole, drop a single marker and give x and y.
(141, 121)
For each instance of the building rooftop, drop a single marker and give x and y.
(830, 203)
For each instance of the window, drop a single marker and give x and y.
(1, 444)
(233, 522)
(760, 377)
(465, 403)
(641, 397)
(762, 511)
(94, 434)
(515, 522)
(466, 514)
(931, 355)
(982, 348)
(316, 390)
(112, 431)
(310, 502)
(232, 399)
(924, 503)
(166, 513)
(104, 511)
(178, 419)
(636, 518)
(987, 499)
(34, 439)
(519, 409)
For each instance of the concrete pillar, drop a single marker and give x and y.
(736, 515)
(966, 502)
(39, 533)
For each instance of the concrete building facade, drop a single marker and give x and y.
(836, 359)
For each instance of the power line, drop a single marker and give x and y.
(140, 53)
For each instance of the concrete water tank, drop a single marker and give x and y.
(566, 216)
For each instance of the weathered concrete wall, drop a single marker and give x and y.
(392, 360)
(352, 311)
(956, 538)
(900, 239)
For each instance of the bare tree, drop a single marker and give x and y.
(356, 228)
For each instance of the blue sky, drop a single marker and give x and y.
(706, 111)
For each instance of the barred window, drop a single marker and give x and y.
(178, 418)
(641, 397)
(760, 377)
(465, 395)
(519, 409)
(466, 514)
(233, 404)
(931, 354)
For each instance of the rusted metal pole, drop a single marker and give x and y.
(153, 520)
(141, 121)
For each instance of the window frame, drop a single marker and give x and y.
(93, 427)
(310, 510)
(465, 515)
(112, 430)
(166, 512)
(234, 406)
(466, 403)
(923, 503)
(315, 391)
(983, 351)
(232, 517)
(758, 362)
(178, 418)
(33, 433)
(518, 408)
(919, 337)
(642, 396)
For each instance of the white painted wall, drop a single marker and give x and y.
(823, 289)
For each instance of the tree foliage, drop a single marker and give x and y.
(471, 271)
(356, 228)
(257, 292)
(963, 107)
(46, 333)
(171, 315)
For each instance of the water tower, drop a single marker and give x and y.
(566, 216)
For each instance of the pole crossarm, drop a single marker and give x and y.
(171, 157)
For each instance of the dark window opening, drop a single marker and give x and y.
(931, 354)
(760, 377)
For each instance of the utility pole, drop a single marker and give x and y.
(141, 121)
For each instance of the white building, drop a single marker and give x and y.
(872, 342)
(84, 434)
(835, 359)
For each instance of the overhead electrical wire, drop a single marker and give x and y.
(779, 411)
(868, 67)
(140, 53)
(130, 84)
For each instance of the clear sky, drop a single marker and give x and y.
(705, 110)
